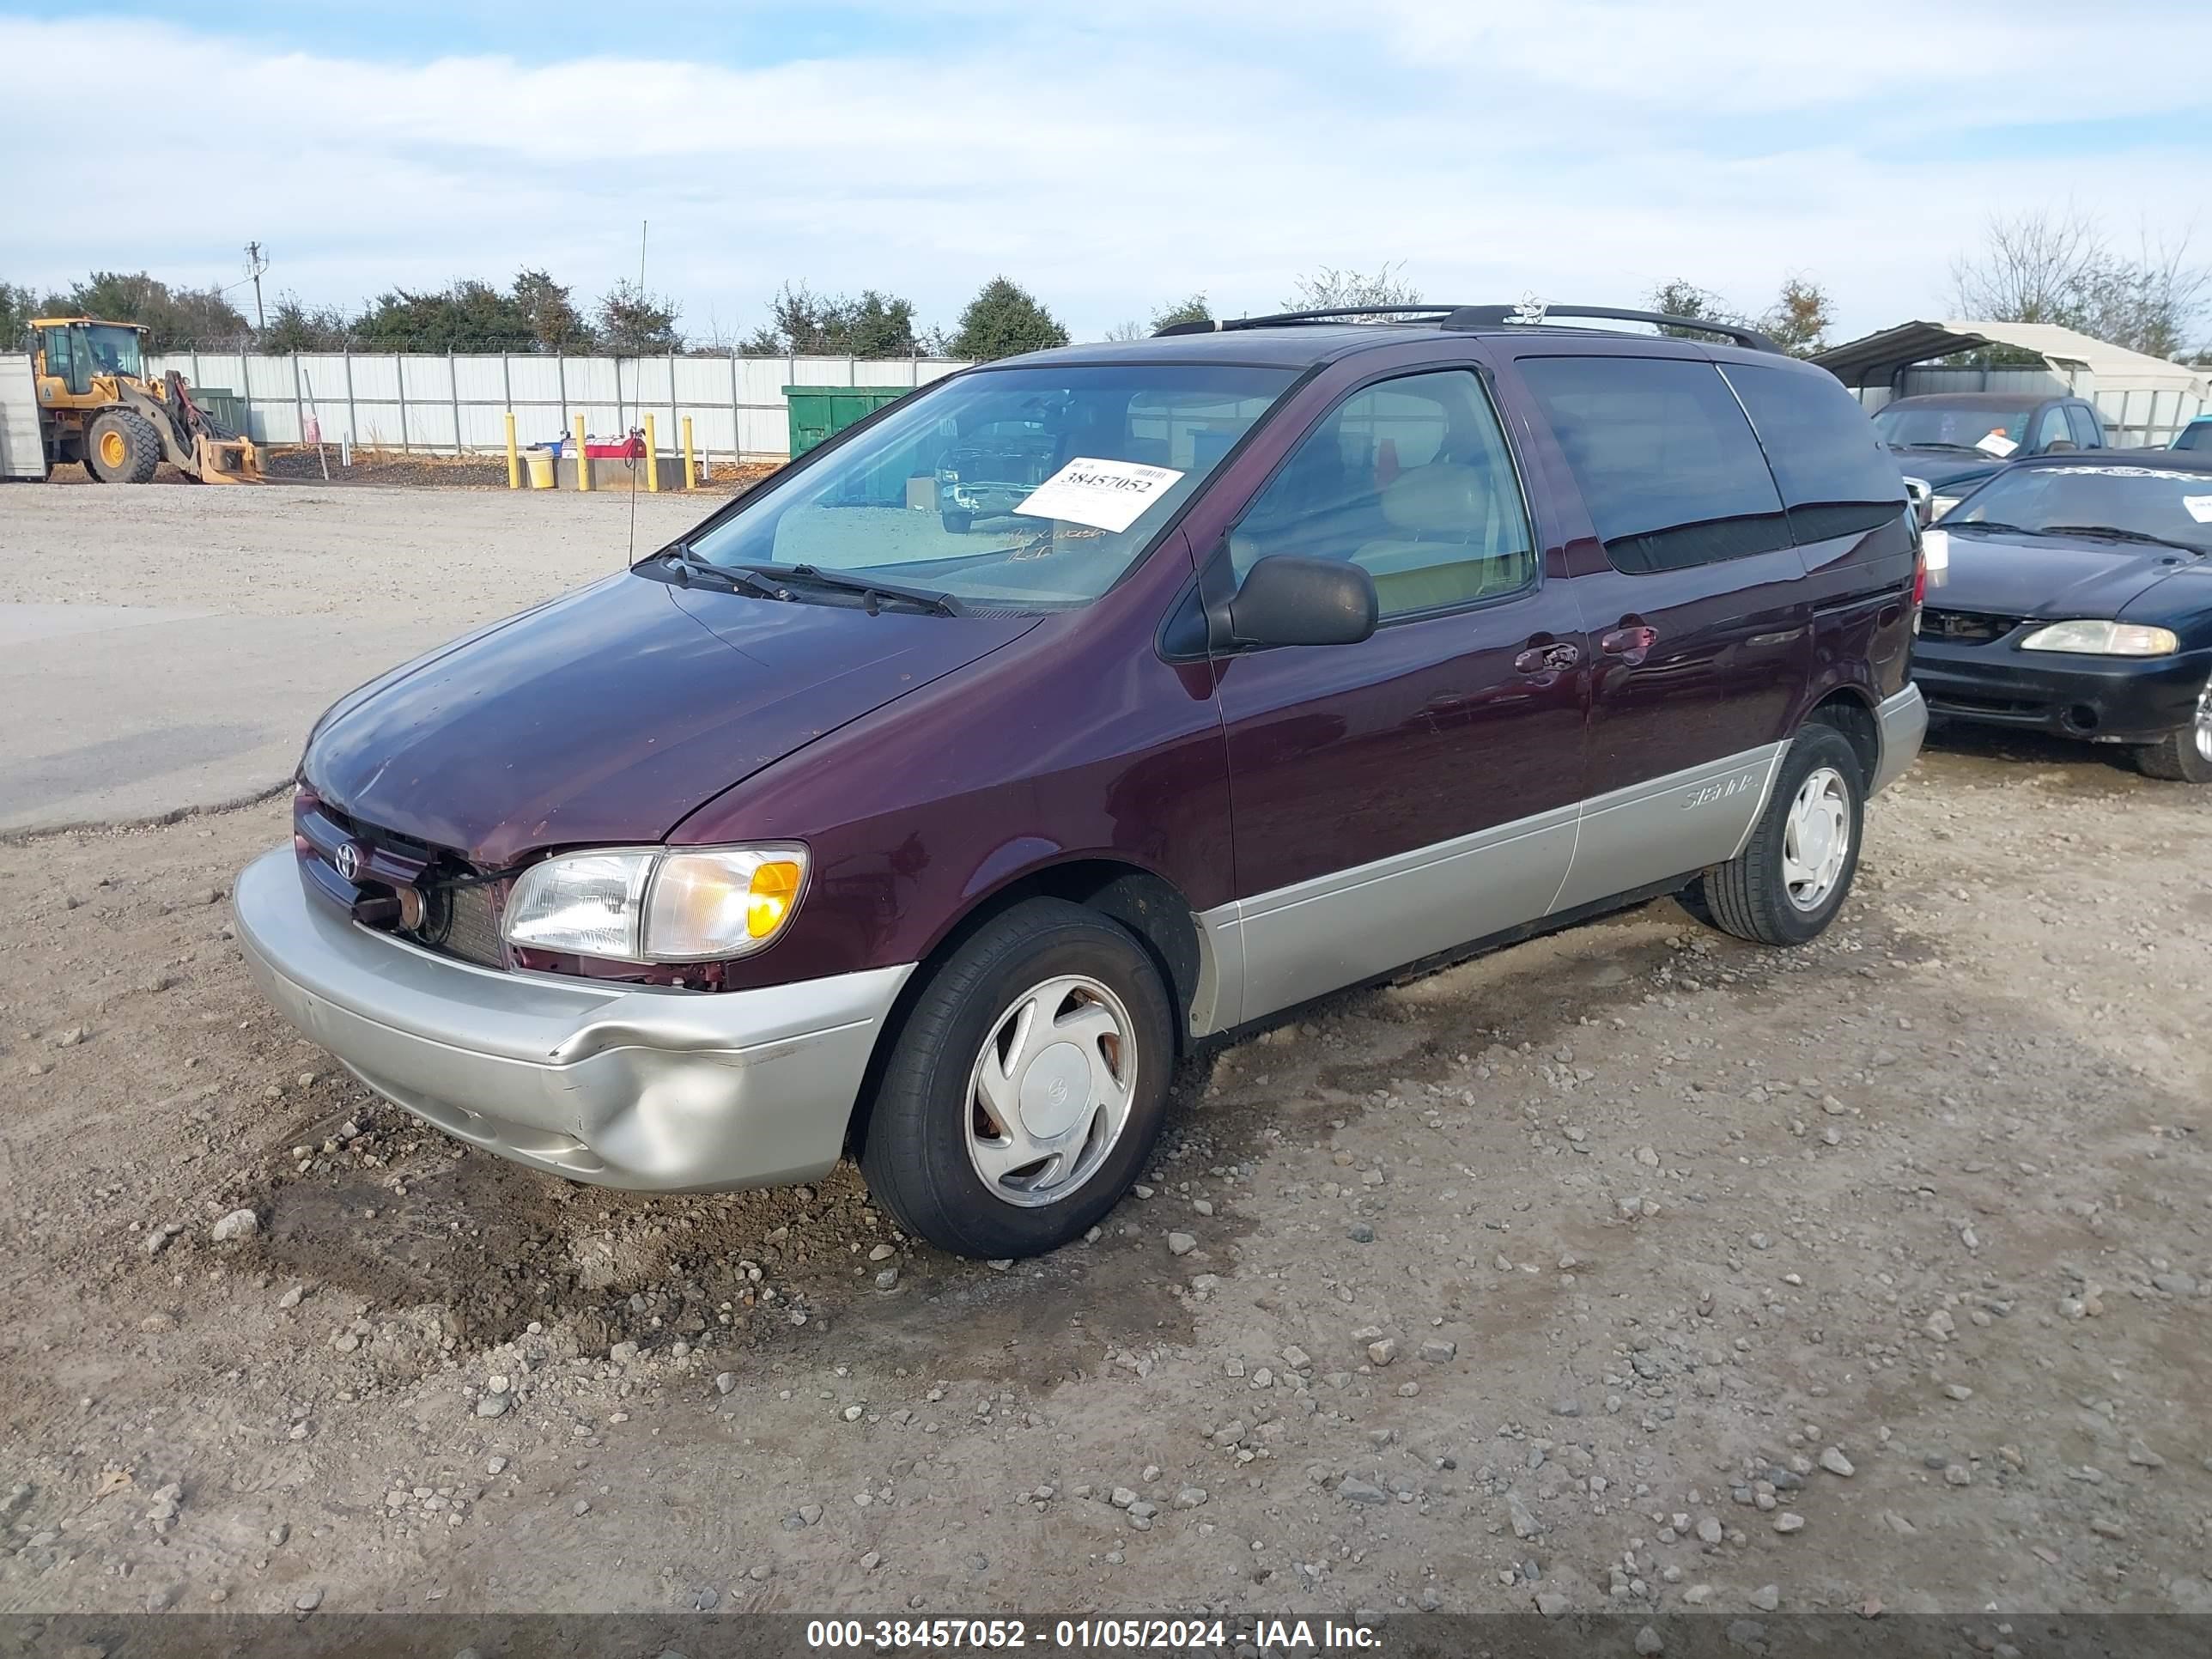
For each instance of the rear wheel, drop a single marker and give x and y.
(1787, 884)
(1027, 1087)
(2185, 756)
(122, 447)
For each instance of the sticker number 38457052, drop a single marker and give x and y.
(1105, 494)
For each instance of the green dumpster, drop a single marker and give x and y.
(819, 413)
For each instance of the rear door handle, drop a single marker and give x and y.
(1631, 642)
(1549, 657)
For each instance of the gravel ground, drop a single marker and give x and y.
(1635, 1266)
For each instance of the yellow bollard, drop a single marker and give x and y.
(690, 464)
(651, 456)
(583, 461)
(513, 460)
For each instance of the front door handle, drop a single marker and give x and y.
(1631, 642)
(1549, 658)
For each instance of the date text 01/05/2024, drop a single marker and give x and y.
(1080, 1635)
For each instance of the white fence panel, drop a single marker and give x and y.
(455, 402)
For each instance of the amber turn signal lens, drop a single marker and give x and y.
(775, 886)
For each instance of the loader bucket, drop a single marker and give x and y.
(226, 460)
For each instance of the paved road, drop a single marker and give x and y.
(166, 649)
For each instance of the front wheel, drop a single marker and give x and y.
(956, 523)
(1787, 884)
(1027, 1087)
(2185, 756)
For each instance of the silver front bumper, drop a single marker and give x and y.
(1904, 722)
(619, 1085)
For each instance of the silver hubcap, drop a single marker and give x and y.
(1050, 1093)
(1817, 838)
(2204, 722)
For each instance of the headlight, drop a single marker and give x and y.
(2104, 639)
(1936, 550)
(1938, 506)
(658, 905)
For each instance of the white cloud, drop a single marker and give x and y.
(1585, 151)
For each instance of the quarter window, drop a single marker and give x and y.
(1665, 459)
(1835, 477)
(1412, 480)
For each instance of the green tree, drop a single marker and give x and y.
(1193, 310)
(803, 322)
(467, 315)
(1682, 298)
(175, 317)
(555, 322)
(1004, 319)
(293, 326)
(633, 323)
(18, 305)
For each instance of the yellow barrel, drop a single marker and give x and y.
(541, 468)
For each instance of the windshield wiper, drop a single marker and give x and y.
(680, 554)
(2113, 532)
(1929, 443)
(1995, 525)
(868, 586)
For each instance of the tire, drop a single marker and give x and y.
(122, 447)
(934, 1128)
(956, 523)
(2184, 756)
(1751, 895)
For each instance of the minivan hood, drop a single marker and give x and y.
(611, 714)
(2044, 576)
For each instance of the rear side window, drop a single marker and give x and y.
(1835, 477)
(1667, 462)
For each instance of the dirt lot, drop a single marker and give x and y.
(1633, 1266)
(422, 469)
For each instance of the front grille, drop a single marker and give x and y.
(463, 921)
(1964, 627)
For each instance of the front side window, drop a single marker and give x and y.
(1020, 488)
(2088, 433)
(1666, 461)
(1410, 480)
(114, 351)
(1836, 478)
(2052, 429)
(62, 362)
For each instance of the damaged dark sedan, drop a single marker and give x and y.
(2073, 595)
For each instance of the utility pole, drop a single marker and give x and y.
(256, 263)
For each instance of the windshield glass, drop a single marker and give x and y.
(2197, 435)
(1010, 488)
(1952, 426)
(115, 351)
(2144, 501)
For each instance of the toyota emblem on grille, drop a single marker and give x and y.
(348, 861)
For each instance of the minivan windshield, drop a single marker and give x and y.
(2117, 503)
(1010, 489)
(1952, 426)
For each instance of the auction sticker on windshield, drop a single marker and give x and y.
(1996, 444)
(1105, 494)
(2198, 507)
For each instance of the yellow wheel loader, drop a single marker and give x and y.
(96, 405)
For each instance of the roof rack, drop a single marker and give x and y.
(1471, 317)
(1287, 319)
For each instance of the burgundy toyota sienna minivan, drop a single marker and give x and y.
(932, 817)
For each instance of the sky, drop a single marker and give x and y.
(1112, 157)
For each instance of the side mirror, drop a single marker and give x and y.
(1288, 600)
